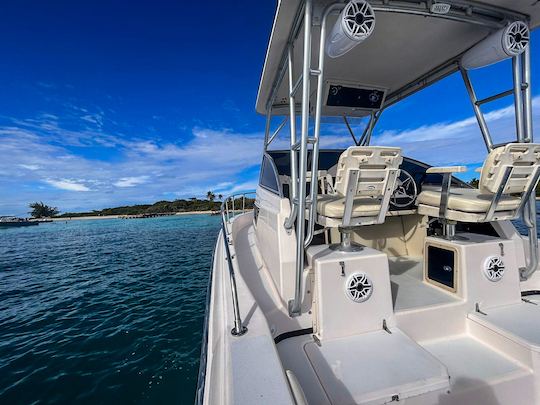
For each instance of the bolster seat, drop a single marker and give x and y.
(508, 177)
(333, 206)
(467, 200)
(365, 180)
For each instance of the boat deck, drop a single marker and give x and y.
(334, 372)
(473, 365)
(408, 288)
(456, 366)
(256, 276)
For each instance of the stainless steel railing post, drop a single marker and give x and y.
(239, 328)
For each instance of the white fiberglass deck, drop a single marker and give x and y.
(336, 371)
(475, 369)
(377, 366)
(447, 371)
(519, 322)
(408, 288)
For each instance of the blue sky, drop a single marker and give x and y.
(108, 103)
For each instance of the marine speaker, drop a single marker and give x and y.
(503, 44)
(358, 287)
(355, 23)
(494, 268)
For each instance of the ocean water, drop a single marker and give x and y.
(104, 311)
(520, 226)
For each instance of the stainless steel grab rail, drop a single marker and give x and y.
(229, 213)
(238, 326)
(226, 219)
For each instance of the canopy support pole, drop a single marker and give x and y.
(289, 222)
(295, 304)
(529, 210)
(518, 100)
(477, 111)
(521, 74)
(357, 143)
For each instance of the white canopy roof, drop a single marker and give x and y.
(405, 53)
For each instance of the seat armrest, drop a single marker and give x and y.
(446, 172)
(447, 169)
(320, 173)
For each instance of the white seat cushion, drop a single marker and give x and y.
(467, 200)
(333, 206)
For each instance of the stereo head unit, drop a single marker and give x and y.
(351, 99)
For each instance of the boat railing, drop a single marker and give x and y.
(231, 207)
(236, 204)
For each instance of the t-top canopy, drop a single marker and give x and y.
(406, 52)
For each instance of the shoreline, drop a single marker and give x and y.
(91, 217)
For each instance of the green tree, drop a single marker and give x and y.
(40, 210)
(220, 197)
(474, 182)
(210, 196)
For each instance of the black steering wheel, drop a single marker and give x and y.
(406, 191)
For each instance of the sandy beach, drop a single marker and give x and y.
(89, 217)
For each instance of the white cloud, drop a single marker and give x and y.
(41, 151)
(458, 142)
(246, 186)
(66, 184)
(29, 166)
(131, 181)
(144, 171)
(96, 119)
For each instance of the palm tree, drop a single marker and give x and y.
(40, 210)
(474, 182)
(220, 197)
(210, 196)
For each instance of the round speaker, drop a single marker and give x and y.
(358, 20)
(507, 42)
(358, 287)
(355, 23)
(494, 268)
(516, 38)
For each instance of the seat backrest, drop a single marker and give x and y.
(375, 164)
(523, 158)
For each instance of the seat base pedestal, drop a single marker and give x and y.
(346, 245)
(449, 230)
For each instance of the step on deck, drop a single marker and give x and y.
(480, 375)
(371, 368)
(518, 322)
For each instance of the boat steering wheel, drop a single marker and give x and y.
(406, 191)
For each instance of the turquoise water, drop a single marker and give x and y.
(103, 311)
